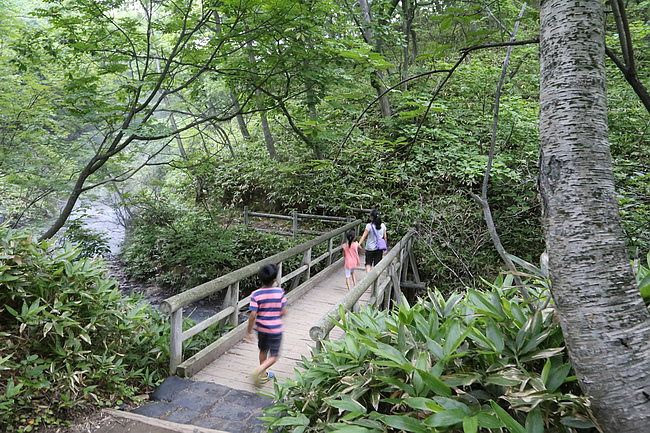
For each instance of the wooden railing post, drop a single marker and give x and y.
(246, 217)
(329, 250)
(294, 225)
(176, 340)
(306, 259)
(232, 300)
(279, 274)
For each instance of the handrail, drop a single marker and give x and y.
(295, 219)
(321, 330)
(172, 304)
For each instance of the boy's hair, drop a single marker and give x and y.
(349, 235)
(267, 274)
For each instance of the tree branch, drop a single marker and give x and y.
(483, 200)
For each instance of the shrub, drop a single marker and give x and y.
(184, 250)
(643, 277)
(478, 360)
(89, 242)
(69, 338)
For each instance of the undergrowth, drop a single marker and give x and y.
(69, 340)
(479, 360)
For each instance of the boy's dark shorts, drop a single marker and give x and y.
(374, 257)
(269, 343)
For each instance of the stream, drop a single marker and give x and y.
(103, 218)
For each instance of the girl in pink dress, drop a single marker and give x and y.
(350, 258)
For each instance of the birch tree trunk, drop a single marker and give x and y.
(605, 323)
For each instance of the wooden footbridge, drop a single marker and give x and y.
(312, 276)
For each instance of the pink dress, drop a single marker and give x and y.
(351, 255)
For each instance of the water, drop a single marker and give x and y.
(103, 218)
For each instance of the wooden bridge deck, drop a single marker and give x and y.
(233, 368)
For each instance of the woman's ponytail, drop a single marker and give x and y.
(376, 219)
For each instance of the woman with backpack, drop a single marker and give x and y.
(377, 241)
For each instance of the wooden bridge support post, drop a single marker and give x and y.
(232, 300)
(397, 288)
(176, 346)
(294, 223)
(375, 295)
(414, 267)
(247, 220)
(388, 290)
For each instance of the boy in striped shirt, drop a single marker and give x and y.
(267, 306)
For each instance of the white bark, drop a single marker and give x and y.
(605, 323)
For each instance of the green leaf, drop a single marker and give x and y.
(300, 419)
(404, 422)
(495, 335)
(535, 421)
(353, 429)
(422, 403)
(454, 338)
(557, 377)
(470, 424)
(542, 354)
(511, 424)
(346, 403)
(389, 352)
(435, 384)
(488, 421)
(446, 418)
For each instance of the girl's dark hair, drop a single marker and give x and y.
(349, 235)
(376, 219)
(267, 274)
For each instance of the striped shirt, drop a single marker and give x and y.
(268, 302)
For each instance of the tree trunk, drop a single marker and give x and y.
(268, 137)
(605, 323)
(406, 29)
(377, 78)
(240, 118)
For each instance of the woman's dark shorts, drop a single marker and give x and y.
(373, 257)
(269, 343)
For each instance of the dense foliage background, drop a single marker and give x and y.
(178, 114)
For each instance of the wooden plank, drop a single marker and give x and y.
(158, 423)
(321, 258)
(191, 365)
(207, 323)
(321, 217)
(270, 215)
(299, 291)
(244, 302)
(298, 271)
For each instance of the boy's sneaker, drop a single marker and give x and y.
(259, 379)
(269, 375)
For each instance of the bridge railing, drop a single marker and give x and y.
(295, 219)
(386, 279)
(173, 306)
